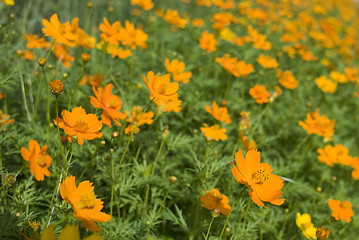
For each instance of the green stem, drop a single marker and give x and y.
(209, 228)
(47, 97)
(225, 224)
(245, 215)
(259, 119)
(63, 220)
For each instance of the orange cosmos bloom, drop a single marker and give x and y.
(116, 51)
(60, 32)
(215, 199)
(334, 155)
(111, 33)
(317, 124)
(223, 19)
(352, 74)
(221, 114)
(287, 80)
(145, 4)
(263, 185)
(326, 85)
(235, 67)
(81, 37)
(132, 37)
(162, 90)
(176, 68)
(137, 118)
(94, 80)
(33, 41)
(259, 93)
(38, 161)
(5, 120)
(111, 105)
(341, 210)
(28, 55)
(208, 42)
(214, 132)
(355, 165)
(172, 17)
(267, 61)
(78, 123)
(173, 106)
(83, 200)
(339, 77)
(62, 52)
(197, 22)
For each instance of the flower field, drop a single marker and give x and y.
(181, 119)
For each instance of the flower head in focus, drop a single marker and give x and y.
(214, 132)
(318, 124)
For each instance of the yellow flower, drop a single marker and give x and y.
(305, 224)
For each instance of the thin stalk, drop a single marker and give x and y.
(63, 220)
(259, 119)
(47, 97)
(229, 214)
(245, 215)
(209, 228)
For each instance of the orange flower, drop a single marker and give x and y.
(221, 114)
(339, 77)
(33, 41)
(247, 145)
(267, 61)
(223, 19)
(60, 32)
(352, 74)
(176, 68)
(145, 4)
(235, 67)
(81, 37)
(4, 120)
(94, 80)
(78, 123)
(326, 85)
(137, 118)
(215, 199)
(341, 210)
(214, 132)
(263, 185)
(355, 165)
(28, 55)
(172, 17)
(162, 91)
(287, 80)
(83, 200)
(116, 51)
(62, 52)
(317, 124)
(173, 106)
(38, 161)
(132, 37)
(197, 22)
(208, 42)
(111, 105)
(56, 87)
(111, 33)
(334, 155)
(259, 93)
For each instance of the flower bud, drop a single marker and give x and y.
(165, 133)
(172, 179)
(74, 139)
(112, 150)
(9, 179)
(49, 66)
(115, 134)
(216, 212)
(56, 87)
(228, 230)
(65, 75)
(41, 61)
(319, 189)
(322, 233)
(89, 5)
(85, 57)
(102, 143)
(18, 214)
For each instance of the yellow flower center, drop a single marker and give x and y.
(41, 161)
(112, 103)
(344, 204)
(260, 176)
(81, 124)
(88, 200)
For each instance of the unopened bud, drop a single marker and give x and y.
(56, 87)
(102, 143)
(85, 57)
(49, 66)
(18, 214)
(172, 179)
(115, 134)
(165, 133)
(74, 139)
(334, 178)
(65, 75)
(112, 150)
(110, 9)
(318, 189)
(228, 230)
(89, 5)
(41, 61)
(9, 179)
(216, 212)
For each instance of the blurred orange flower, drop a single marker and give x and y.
(197, 22)
(171, 16)
(317, 124)
(132, 37)
(339, 77)
(267, 61)
(110, 104)
(60, 32)
(334, 155)
(33, 41)
(208, 42)
(38, 161)
(78, 123)
(94, 80)
(162, 90)
(287, 80)
(215, 199)
(84, 203)
(145, 4)
(214, 132)
(176, 68)
(219, 113)
(62, 52)
(326, 85)
(5, 119)
(263, 185)
(260, 94)
(355, 166)
(235, 67)
(341, 210)
(111, 33)
(137, 118)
